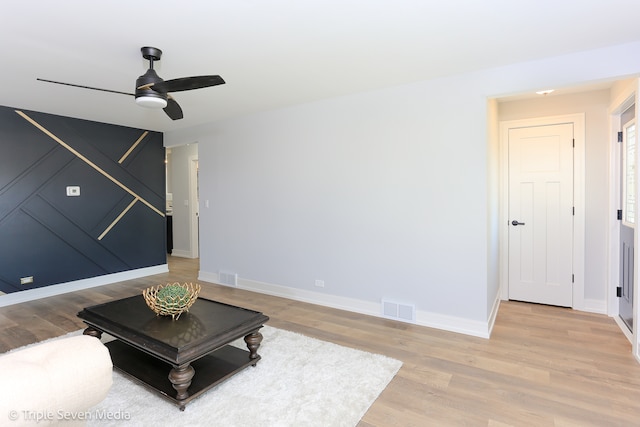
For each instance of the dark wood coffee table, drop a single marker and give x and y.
(183, 358)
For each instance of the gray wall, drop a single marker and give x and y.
(385, 194)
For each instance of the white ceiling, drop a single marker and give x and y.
(275, 53)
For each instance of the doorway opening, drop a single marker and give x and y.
(183, 184)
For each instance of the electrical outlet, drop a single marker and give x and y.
(26, 280)
(320, 283)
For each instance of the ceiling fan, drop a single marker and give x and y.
(152, 91)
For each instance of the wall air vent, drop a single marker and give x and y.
(399, 311)
(226, 278)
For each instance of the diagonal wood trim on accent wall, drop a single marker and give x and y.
(115, 221)
(133, 147)
(87, 161)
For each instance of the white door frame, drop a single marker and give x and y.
(194, 207)
(578, 121)
(626, 98)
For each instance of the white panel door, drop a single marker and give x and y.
(541, 214)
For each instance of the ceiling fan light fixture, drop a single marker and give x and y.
(153, 92)
(146, 96)
(150, 101)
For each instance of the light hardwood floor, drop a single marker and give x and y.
(543, 366)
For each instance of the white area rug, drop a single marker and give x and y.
(300, 381)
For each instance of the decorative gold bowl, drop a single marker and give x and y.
(171, 299)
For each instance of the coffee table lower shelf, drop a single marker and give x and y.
(152, 373)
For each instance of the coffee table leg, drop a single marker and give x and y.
(253, 341)
(180, 378)
(92, 332)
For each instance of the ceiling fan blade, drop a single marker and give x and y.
(85, 87)
(187, 83)
(173, 109)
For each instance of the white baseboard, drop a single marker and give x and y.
(181, 253)
(209, 277)
(460, 325)
(625, 330)
(423, 318)
(493, 315)
(76, 285)
(594, 306)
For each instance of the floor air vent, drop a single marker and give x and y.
(399, 311)
(230, 279)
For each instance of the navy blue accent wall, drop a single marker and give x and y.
(117, 222)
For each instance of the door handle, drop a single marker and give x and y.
(514, 223)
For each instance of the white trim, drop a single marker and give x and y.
(205, 276)
(619, 105)
(635, 342)
(595, 306)
(76, 285)
(423, 318)
(625, 99)
(623, 327)
(194, 207)
(578, 121)
(492, 316)
(182, 253)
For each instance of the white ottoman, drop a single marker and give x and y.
(55, 382)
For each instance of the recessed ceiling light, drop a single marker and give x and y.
(545, 92)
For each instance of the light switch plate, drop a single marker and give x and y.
(73, 190)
